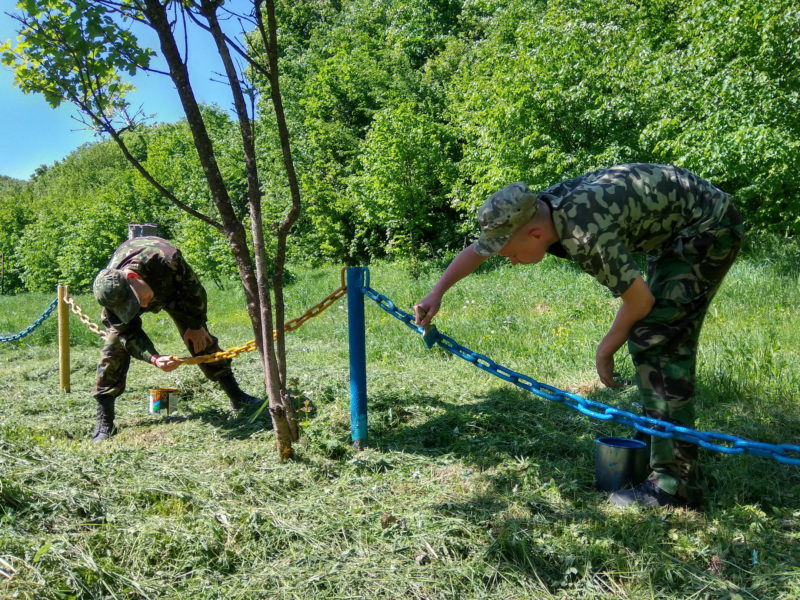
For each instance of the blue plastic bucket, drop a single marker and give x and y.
(620, 463)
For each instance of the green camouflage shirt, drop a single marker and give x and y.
(603, 217)
(176, 289)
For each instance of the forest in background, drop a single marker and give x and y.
(406, 115)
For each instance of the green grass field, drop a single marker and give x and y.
(470, 487)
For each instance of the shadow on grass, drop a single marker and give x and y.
(237, 425)
(511, 424)
(501, 424)
(535, 496)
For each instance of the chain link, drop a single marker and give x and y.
(711, 440)
(47, 312)
(288, 326)
(94, 327)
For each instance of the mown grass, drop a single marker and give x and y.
(470, 488)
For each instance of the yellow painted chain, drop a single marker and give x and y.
(235, 350)
(84, 318)
(288, 326)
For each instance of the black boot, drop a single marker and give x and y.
(239, 399)
(646, 493)
(105, 419)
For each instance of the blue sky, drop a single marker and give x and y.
(33, 133)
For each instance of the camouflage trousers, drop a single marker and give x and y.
(663, 345)
(112, 370)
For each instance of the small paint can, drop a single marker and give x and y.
(162, 401)
(620, 462)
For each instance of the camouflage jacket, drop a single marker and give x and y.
(176, 289)
(602, 217)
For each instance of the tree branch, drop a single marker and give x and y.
(233, 44)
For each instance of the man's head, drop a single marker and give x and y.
(503, 213)
(113, 291)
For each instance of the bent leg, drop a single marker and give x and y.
(220, 372)
(112, 370)
(663, 345)
(112, 373)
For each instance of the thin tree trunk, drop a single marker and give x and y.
(275, 385)
(237, 240)
(270, 40)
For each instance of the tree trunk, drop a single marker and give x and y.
(280, 410)
(270, 40)
(234, 231)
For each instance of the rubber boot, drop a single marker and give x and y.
(239, 399)
(104, 428)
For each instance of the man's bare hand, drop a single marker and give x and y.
(196, 340)
(605, 369)
(426, 309)
(166, 363)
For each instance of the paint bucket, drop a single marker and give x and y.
(162, 401)
(620, 463)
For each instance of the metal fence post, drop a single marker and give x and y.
(358, 356)
(63, 339)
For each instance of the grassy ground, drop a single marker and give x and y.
(471, 488)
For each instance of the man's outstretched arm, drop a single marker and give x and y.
(462, 265)
(637, 302)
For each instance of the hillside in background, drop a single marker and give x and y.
(405, 115)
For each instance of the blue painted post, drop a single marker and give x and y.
(358, 356)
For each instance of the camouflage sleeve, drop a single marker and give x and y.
(190, 294)
(607, 259)
(131, 336)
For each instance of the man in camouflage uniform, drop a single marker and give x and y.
(147, 274)
(690, 232)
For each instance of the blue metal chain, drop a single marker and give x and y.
(34, 325)
(719, 442)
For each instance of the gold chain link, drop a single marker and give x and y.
(85, 318)
(288, 326)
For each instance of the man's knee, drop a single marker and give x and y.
(101, 392)
(112, 372)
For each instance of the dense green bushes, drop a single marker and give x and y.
(406, 115)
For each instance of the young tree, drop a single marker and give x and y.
(78, 50)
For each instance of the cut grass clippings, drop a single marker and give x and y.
(470, 487)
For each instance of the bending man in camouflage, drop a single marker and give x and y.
(147, 274)
(690, 232)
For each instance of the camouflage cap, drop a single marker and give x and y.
(502, 214)
(114, 292)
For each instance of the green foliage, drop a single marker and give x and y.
(404, 116)
(403, 177)
(356, 71)
(167, 151)
(62, 226)
(75, 51)
(731, 105)
(538, 92)
(80, 209)
(15, 215)
(70, 224)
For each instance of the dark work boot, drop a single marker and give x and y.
(646, 493)
(105, 419)
(239, 399)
